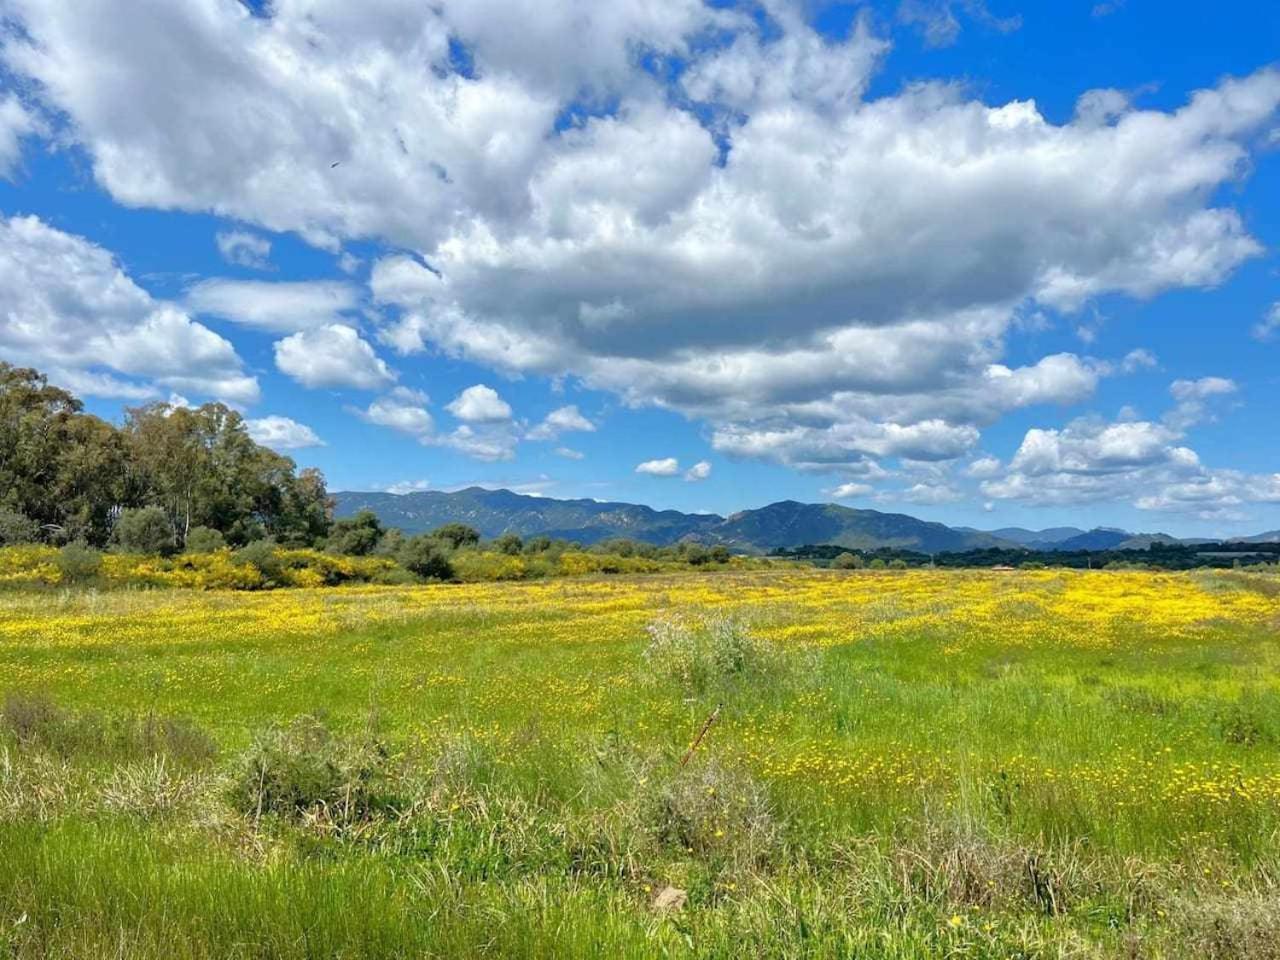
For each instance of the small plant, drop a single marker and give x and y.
(427, 557)
(17, 528)
(303, 768)
(78, 563)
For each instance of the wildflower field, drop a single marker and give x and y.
(903, 764)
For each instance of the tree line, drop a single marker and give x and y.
(166, 474)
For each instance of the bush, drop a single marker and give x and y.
(204, 540)
(456, 535)
(17, 528)
(427, 557)
(848, 561)
(78, 563)
(262, 554)
(144, 530)
(303, 768)
(715, 650)
(877, 564)
(509, 543)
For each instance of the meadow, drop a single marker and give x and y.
(904, 764)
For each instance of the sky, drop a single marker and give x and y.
(985, 262)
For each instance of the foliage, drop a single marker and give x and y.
(699, 654)
(509, 543)
(144, 530)
(204, 540)
(848, 561)
(71, 473)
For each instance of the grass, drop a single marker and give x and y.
(905, 764)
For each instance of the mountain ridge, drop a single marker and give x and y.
(784, 523)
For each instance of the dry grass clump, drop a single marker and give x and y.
(702, 653)
(302, 769)
(1236, 928)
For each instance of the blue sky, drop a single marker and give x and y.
(985, 263)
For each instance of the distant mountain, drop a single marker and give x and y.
(792, 524)
(494, 512)
(1037, 539)
(1271, 536)
(1100, 538)
(785, 524)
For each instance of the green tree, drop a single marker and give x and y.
(848, 561)
(356, 536)
(457, 535)
(16, 528)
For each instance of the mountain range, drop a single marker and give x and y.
(787, 523)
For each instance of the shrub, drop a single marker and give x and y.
(303, 768)
(17, 528)
(204, 540)
(877, 564)
(509, 543)
(457, 535)
(848, 561)
(78, 563)
(898, 564)
(427, 557)
(262, 554)
(711, 651)
(144, 530)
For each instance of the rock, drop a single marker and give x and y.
(670, 898)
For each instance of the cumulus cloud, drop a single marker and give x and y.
(244, 249)
(699, 471)
(561, 420)
(68, 307)
(282, 433)
(333, 355)
(282, 307)
(665, 467)
(403, 409)
(839, 272)
(480, 404)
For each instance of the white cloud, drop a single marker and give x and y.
(480, 404)
(281, 307)
(332, 356)
(408, 486)
(1269, 326)
(984, 467)
(850, 491)
(403, 409)
(282, 433)
(940, 27)
(569, 453)
(666, 467)
(1139, 359)
(1201, 389)
(67, 307)
(699, 471)
(924, 493)
(561, 420)
(488, 442)
(839, 271)
(244, 249)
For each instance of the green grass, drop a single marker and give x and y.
(495, 770)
